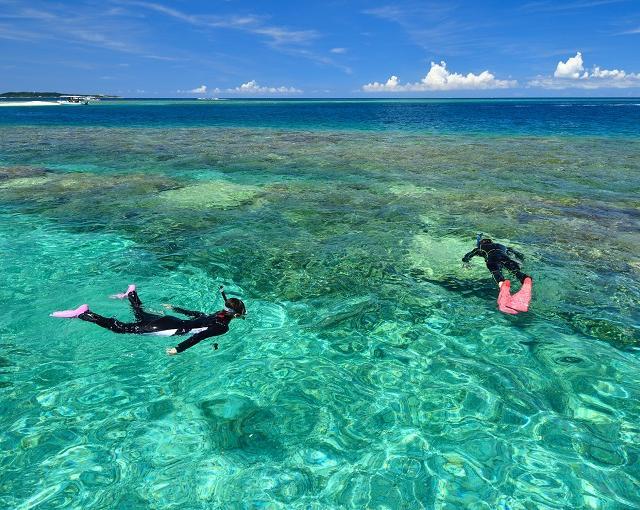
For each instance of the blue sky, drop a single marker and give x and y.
(322, 49)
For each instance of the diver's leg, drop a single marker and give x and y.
(70, 314)
(131, 288)
(504, 299)
(514, 267)
(521, 299)
(136, 306)
(494, 267)
(110, 323)
(138, 312)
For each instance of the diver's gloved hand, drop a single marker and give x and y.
(172, 351)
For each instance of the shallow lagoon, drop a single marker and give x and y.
(373, 370)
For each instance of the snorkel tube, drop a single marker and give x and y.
(224, 296)
(229, 305)
(478, 239)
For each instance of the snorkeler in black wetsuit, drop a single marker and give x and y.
(202, 325)
(496, 257)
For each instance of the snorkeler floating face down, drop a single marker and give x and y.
(498, 257)
(200, 325)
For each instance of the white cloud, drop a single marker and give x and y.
(252, 87)
(202, 89)
(572, 68)
(283, 36)
(572, 74)
(338, 51)
(278, 38)
(604, 73)
(10, 33)
(440, 78)
(389, 86)
(546, 6)
(277, 35)
(83, 26)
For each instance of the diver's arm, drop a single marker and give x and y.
(215, 330)
(471, 254)
(516, 253)
(194, 339)
(184, 311)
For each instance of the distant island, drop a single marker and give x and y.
(32, 95)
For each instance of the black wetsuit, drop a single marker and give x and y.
(165, 325)
(497, 256)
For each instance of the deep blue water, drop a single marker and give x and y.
(602, 117)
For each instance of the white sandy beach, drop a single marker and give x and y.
(29, 103)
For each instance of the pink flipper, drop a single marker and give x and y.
(520, 300)
(70, 314)
(504, 297)
(131, 288)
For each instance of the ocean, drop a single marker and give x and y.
(373, 370)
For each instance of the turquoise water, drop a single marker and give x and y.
(373, 370)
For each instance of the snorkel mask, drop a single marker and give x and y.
(233, 306)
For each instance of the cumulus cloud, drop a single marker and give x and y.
(202, 89)
(572, 68)
(440, 78)
(252, 87)
(572, 74)
(614, 74)
(389, 86)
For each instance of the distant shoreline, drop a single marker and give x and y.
(41, 95)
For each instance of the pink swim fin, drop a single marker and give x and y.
(131, 288)
(520, 300)
(504, 298)
(70, 314)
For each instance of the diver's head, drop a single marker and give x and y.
(235, 307)
(481, 239)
